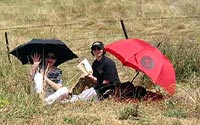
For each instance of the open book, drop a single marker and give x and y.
(85, 67)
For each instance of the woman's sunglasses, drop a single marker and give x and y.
(51, 57)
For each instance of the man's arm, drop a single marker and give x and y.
(106, 81)
(94, 79)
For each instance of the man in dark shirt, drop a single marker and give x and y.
(102, 81)
(105, 76)
(105, 69)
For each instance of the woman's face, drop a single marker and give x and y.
(97, 52)
(50, 59)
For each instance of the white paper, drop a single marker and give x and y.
(85, 67)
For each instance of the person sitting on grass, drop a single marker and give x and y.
(103, 80)
(47, 78)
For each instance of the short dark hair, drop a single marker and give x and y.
(99, 45)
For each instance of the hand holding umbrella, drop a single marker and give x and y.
(45, 76)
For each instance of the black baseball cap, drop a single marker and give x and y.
(97, 44)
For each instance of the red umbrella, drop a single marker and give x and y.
(142, 56)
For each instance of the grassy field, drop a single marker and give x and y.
(174, 23)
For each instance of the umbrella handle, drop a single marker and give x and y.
(44, 75)
(46, 70)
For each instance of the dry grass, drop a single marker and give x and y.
(78, 23)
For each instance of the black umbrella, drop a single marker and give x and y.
(42, 46)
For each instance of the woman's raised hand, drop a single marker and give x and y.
(36, 59)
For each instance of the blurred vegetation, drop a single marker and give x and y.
(185, 57)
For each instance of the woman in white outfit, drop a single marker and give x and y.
(47, 78)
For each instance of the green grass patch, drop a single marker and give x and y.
(177, 113)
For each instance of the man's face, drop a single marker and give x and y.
(97, 51)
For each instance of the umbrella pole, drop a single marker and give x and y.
(43, 71)
(43, 63)
(8, 50)
(135, 76)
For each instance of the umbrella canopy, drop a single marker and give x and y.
(142, 56)
(42, 46)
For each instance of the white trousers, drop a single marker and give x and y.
(62, 92)
(38, 81)
(88, 94)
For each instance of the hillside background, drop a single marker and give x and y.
(174, 23)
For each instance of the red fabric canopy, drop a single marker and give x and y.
(142, 56)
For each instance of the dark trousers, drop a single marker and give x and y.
(102, 90)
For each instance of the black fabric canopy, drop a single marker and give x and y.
(43, 46)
